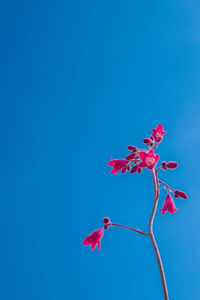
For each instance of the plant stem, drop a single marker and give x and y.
(163, 183)
(153, 241)
(130, 228)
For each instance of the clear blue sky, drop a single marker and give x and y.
(81, 80)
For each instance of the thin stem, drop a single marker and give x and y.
(155, 146)
(163, 183)
(159, 169)
(133, 161)
(153, 241)
(126, 227)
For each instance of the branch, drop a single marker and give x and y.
(163, 183)
(126, 227)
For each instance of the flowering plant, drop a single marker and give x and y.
(135, 162)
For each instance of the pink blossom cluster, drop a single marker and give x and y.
(135, 162)
(139, 158)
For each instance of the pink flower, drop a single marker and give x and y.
(149, 159)
(94, 239)
(158, 133)
(168, 205)
(118, 164)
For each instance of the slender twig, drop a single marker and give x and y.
(153, 241)
(155, 146)
(168, 187)
(130, 228)
(159, 169)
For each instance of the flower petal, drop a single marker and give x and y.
(114, 170)
(118, 169)
(99, 245)
(111, 163)
(151, 153)
(163, 211)
(159, 128)
(142, 155)
(93, 245)
(150, 167)
(86, 241)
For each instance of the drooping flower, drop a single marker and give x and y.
(168, 205)
(158, 133)
(149, 159)
(118, 164)
(94, 239)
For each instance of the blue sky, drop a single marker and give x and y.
(81, 80)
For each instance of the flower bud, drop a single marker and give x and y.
(152, 138)
(172, 165)
(176, 194)
(164, 165)
(106, 227)
(106, 220)
(147, 141)
(134, 169)
(130, 156)
(182, 194)
(139, 170)
(128, 167)
(132, 148)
